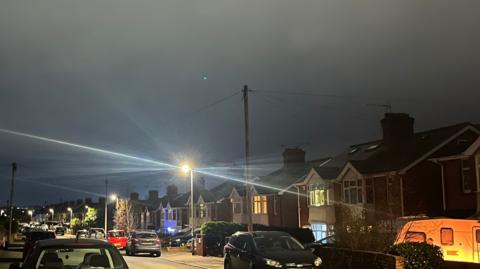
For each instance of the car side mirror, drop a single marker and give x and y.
(15, 265)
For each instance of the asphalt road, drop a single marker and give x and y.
(139, 262)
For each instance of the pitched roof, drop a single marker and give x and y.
(282, 178)
(181, 200)
(224, 189)
(375, 157)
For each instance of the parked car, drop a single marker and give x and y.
(328, 241)
(96, 233)
(180, 240)
(267, 250)
(143, 242)
(32, 237)
(60, 230)
(82, 234)
(117, 238)
(72, 253)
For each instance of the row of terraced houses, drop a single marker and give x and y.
(405, 173)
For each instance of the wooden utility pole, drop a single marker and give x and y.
(106, 207)
(14, 169)
(248, 187)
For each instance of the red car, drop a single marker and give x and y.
(118, 238)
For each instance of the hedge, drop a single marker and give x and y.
(418, 255)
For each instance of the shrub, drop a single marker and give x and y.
(418, 255)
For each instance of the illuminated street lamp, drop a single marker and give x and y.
(30, 213)
(52, 211)
(86, 210)
(187, 169)
(71, 213)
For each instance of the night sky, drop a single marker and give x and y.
(157, 80)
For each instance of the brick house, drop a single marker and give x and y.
(276, 200)
(433, 173)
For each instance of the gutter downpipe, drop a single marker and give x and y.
(444, 200)
(298, 207)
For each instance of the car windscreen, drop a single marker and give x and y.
(146, 235)
(116, 234)
(79, 257)
(276, 242)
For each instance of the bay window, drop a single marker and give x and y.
(319, 196)
(260, 204)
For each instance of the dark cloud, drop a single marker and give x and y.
(128, 76)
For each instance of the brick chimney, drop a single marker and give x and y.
(172, 191)
(152, 195)
(397, 129)
(134, 196)
(293, 156)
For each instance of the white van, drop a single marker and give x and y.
(459, 239)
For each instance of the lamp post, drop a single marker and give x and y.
(71, 214)
(186, 169)
(30, 213)
(52, 211)
(84, 215)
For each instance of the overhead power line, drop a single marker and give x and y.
(216, 102)
(306, 93)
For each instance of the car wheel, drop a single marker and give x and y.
(159, 254)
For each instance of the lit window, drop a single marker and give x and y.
(260, 204)
(203, 210)
(446, 236)
(318, 197)
(353, 191)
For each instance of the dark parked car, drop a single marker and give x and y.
(180, 240)
(143, 242)
(267, 250)
(71, 253)
(32, 237)
(60, 230)
(328, 241)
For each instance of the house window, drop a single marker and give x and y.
(260, 204)
(203, 210)
(369, 191)
(319, 197)
(320, 230)
(446, 236)
(237, 207)
(467, 179)
(353, 191)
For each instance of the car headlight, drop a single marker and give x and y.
(273, 263)
(318, 262)
(178, 239)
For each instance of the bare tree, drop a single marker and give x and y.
(124, 216)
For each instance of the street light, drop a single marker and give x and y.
(71, 214)
(30, 213)
(52, 211)
(187, 169)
